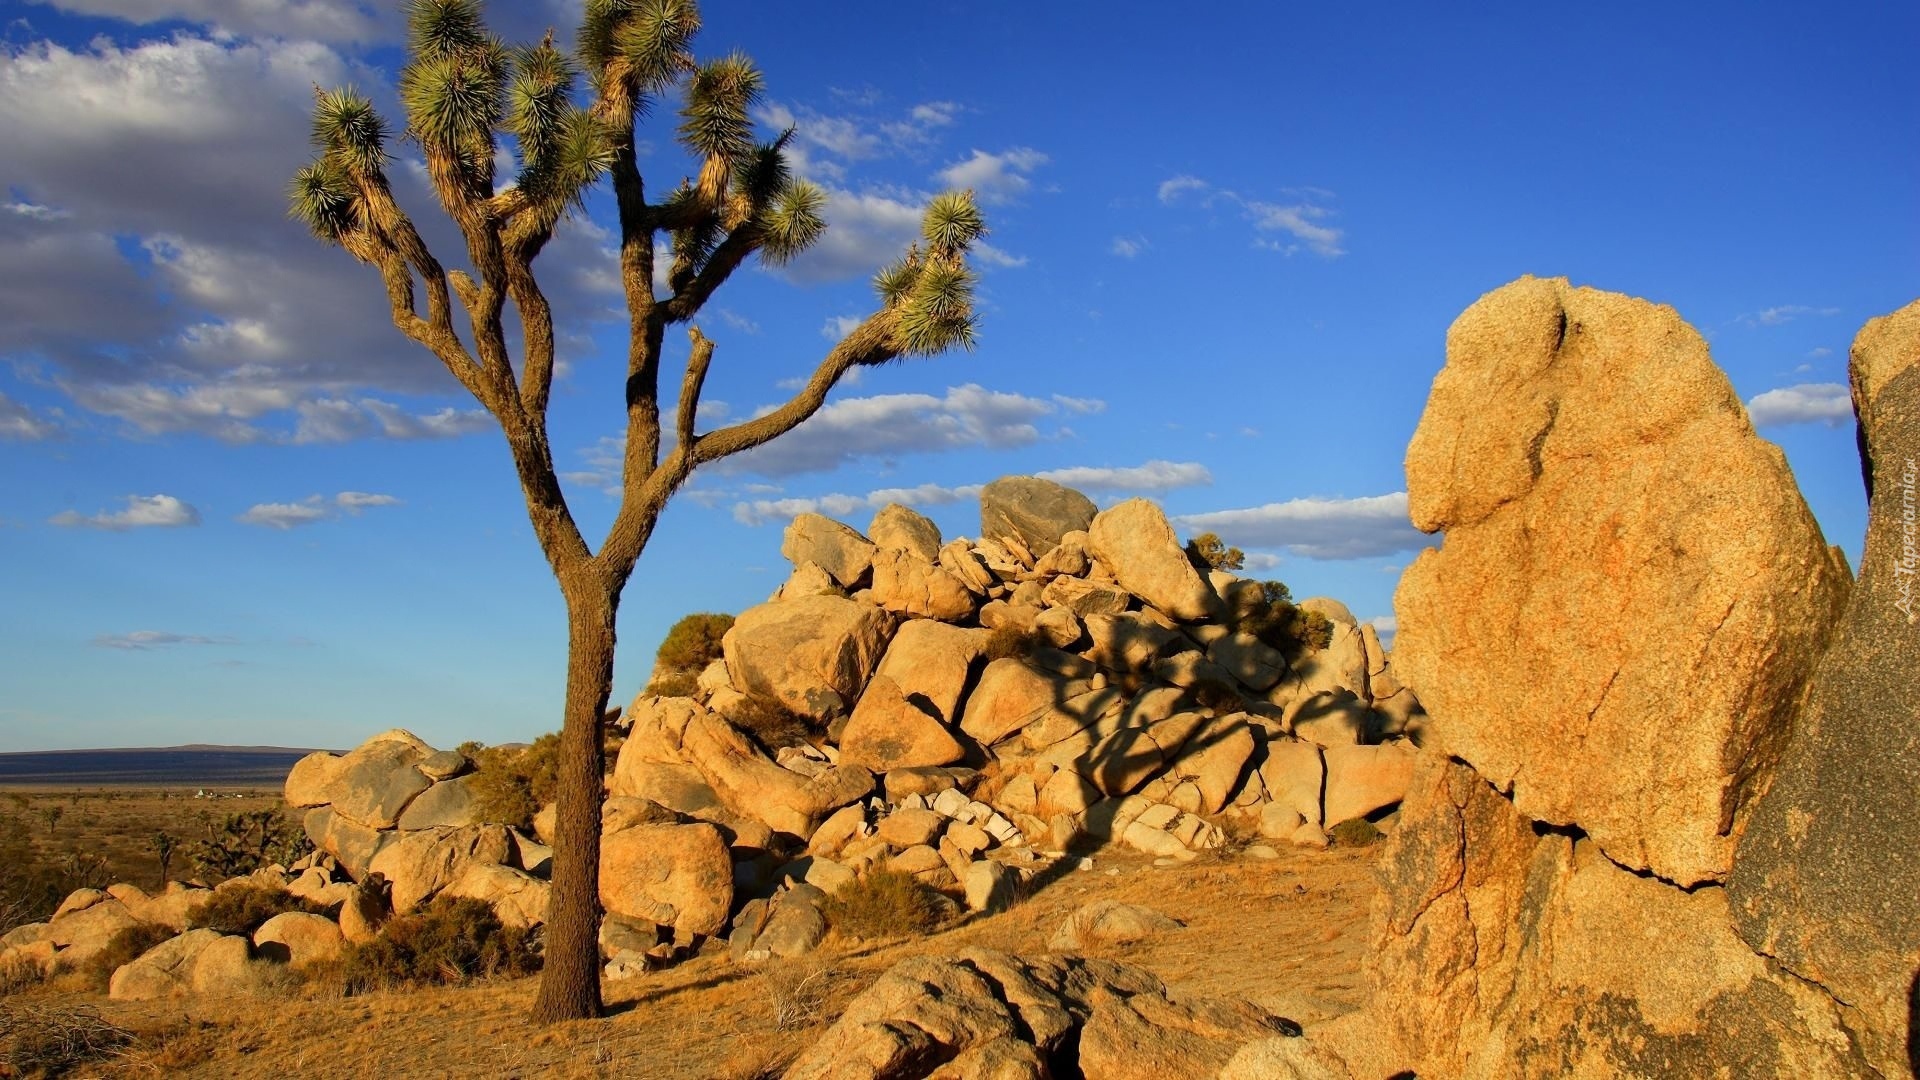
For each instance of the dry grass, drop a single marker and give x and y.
(119, 825)
(884, 904)
(44, 1039)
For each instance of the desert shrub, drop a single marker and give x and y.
(241, 909)
(511, 784)
(1355, 832)
(1010, 642)
(56, 1039)
(674, 684)
(1284, 626)
(885, 903)
(17, 973)
(239, 844)
(35, 883)
(451, 939)
(124, 948)
(1208, 552)
(693, 642)
(770, 722)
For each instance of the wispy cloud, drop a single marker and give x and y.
(1786, 313)
(837, 327)
(1152, 476)
(1283, 227)
(21, 424)
(885, 426)
(312, 509)
(141, 512)
(1807, 403)
(998, 177)
(147, 640)
(1129, 246)
(1319, 528)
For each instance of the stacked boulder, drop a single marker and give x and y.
(1614, 644)
(1069, 678)
(87, 921)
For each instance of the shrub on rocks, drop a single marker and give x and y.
(451, 939)
(123, 948)
(511, 784)
(241, 909)
(885, 903)
(1356, 832)
(770, 722)
(693, 642)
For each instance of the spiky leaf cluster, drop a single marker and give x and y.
(634, 49)
(330, 195)
(454, 90)
(930, 292)
(792, 222)
(564, 148)
(714, 122)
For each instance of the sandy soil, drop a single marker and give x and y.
(1287, 933)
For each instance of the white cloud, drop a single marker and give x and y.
(1785, 313)
(19, 423)
(37, 212)
(764, 511)
(1282, 227)
(995, 177)
(1152, 476)
(1262, 560)
(146, 640)
(988, 255)
(864, 232)
(141, 512)
(1081, 405)
(312, 509)
(318, 20)
(737, 321)
(1818, 353)
(838, 327)
(1318, 528)
(887, 425)
(1807, 403)
(1171, 190)
(332, 420)
(1129, 246)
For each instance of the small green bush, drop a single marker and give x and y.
(884, 903)
(693, 642)
(1208, 552)
(510, 785)
(241, 909)
(674, 684)
(1356, 832)
(124, 948)
(1284, 626)
(451, 939)
(1010, 642)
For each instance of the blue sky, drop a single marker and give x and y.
(237, 507)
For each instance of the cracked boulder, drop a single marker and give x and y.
(1632, 593)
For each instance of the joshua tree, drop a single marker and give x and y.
(463, 91)
(163, 845)
(53, 814)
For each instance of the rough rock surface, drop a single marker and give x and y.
(934, 659)
(672, 875)
(905, 583)
(985, 1015)
(1502, 952)
(1037, 511)
(812, 654)
(1136, 542)
(1830, 864)
(900, 528)
(420, 864)
(844, 554)
(889, 730)
(1594, 471)
(298, 938)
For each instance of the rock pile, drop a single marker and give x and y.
(1614, 643)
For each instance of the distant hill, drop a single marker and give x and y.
(197, 765)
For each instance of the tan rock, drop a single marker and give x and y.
(1135, 540)
(898, 528)
(518, 898)
(298, 938)
(754, 787)
(672, 875)
(807, 579)
(1363, 779)
(1499, 952)
(1084, 597)
(448, 803)
(932, 659)
(1059, 627)
(1040, 513)
(813, 655)
(79, 900)
(83, 934)
(1213, 760)
(905, 583)
(1066, 792)
(1110, 922)
(310, 782)
(1257, 665)
(969, 569)
(889, 730)
(1331, 718)
(1295, 774)
(164, 971)
(226, 968)
(373, 784)
(1010, 695)
(908, 827)
(1133, 755)
(420, 864)
(844, 554)
(1592, 468)
(366, 910)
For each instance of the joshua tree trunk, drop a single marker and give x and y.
(570, 986)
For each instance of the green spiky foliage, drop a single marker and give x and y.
(466, 96)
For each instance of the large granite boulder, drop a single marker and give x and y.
(1829, 868)
(812, 654)
(374, 783)
(844, 554)
(891, 729)
(755, 787)
(907, 584)
(932, 660)
(1620, 547)
(901, 528)
(670, 875)
(1500, 951)
(1038, 512)
(420, 864)
(1136, 542)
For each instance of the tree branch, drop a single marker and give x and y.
(742, 242)
(696, 377)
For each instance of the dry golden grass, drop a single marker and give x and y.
(119, 824)
(1286, 933)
